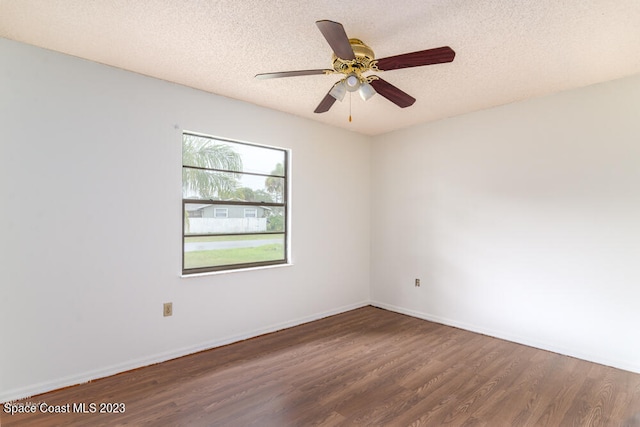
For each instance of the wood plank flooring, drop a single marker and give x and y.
(366, 367)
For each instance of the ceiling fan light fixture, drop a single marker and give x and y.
(352, 59)
(352, 82)
(338, 91)
(366, 91)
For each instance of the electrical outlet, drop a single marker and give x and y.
(417, 283)
(167, 309)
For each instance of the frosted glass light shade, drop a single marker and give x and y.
(338, 91)
(352, 83)
(366, 91)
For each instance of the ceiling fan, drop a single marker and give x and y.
(353, 58)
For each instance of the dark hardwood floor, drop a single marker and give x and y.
(365, 367)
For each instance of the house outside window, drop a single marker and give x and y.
(234, 204)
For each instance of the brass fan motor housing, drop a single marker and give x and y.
(363, 62)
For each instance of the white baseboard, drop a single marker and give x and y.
(85, 377)
(619, 364)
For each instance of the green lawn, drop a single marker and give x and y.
(232, 238)
(211, 258)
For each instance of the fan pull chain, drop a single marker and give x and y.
(349, 107)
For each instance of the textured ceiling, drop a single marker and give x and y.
(506, 50)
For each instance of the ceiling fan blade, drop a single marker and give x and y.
(325, 104)
(438, 55)
(392, 93)
(291, 74)
(337, 38)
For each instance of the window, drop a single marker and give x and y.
(220, 212)
(234, 204)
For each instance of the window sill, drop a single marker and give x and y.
(237, 270)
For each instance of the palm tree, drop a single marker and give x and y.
(274, 184)
(202, 152)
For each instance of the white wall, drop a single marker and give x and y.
(523, 222)
(79, 140)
